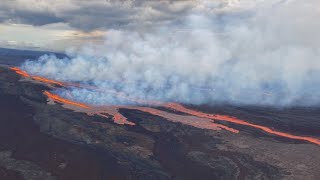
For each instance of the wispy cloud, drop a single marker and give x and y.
(102, 15)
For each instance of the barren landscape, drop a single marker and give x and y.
(46, 138)
(159, 90)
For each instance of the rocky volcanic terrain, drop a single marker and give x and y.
(41, 140)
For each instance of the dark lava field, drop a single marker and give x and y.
(44, 141)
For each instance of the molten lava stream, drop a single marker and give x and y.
(65, 101)
(45, 80)
(180, 108)
(20, 72)
(37, 78)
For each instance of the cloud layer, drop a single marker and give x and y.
(89, 15)
(265, 55)
(106, 14)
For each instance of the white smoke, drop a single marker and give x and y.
(268, 55)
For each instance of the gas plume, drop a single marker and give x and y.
(265, 55)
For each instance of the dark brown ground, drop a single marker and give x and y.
(21, 136)
(41, 141)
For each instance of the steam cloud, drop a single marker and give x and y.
(268, 55)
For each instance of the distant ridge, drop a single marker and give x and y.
(17, 56)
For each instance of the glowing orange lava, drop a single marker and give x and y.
(20, 72)
(65, 101)
(120, 119)
(37, 78)
(117, 117)
(49, 81)
(227, 128)
(180, 108)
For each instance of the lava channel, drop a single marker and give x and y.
(65, 101)
(235, 120)
(20, 72)
(36, 78)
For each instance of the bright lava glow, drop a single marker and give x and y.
(37, 78)
(65, 101)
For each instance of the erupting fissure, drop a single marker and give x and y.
(194, 118)
(36, 78)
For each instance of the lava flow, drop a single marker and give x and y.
(180, 108)
(204, 120)
(49, 81)
(117, 117)
(198, 122)
(65, 101)
(203, 123)
(20, 72)
(37, 78)
(78, 85)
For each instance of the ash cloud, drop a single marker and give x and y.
(264, 55)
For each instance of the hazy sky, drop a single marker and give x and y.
(59, 24)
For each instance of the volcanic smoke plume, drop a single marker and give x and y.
(265, 55)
